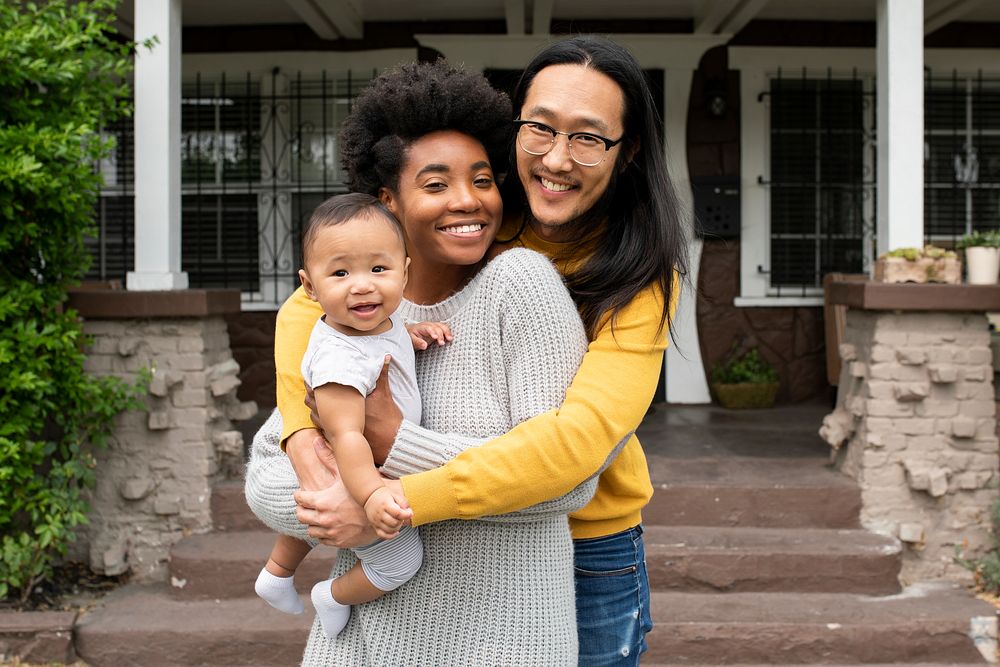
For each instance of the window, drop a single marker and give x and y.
(821, 187)
(220, 182)
(256, 157)
(962, 156)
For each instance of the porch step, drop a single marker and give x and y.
(749, 491)
(146, 627)
(926, 623)
(684, 558)
(226, 565)
(229, 508)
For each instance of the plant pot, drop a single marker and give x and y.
(983, 265)
(742, 395)
(923, 270)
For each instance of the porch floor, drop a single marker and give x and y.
(700, 431)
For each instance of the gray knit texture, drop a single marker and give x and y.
(490, 592)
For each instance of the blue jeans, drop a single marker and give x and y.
(612, 599)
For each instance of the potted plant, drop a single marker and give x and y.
(744, 380)
(982, 256)
(929, 264)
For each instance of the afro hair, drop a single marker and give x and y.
(405, 103)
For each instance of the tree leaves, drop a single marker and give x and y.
(62, 74)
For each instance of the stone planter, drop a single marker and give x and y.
(923, 270)
(983, 265)
(743, 395)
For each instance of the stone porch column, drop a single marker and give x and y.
(915, 419)
(154, 480)
(158, 149)
(900, 93)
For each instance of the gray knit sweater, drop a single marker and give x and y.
(497, 591)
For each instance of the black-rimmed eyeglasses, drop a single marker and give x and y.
(586, 148)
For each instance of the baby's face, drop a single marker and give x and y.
(356, 271)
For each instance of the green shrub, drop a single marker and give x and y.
(747, 366)
(62, 76)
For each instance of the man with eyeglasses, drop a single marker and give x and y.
(593, 194)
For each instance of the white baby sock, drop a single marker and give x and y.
(279, 592)
(332, 615)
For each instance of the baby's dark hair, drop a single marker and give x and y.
(339, 209)
(406, 103)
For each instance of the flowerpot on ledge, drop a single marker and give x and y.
(982, 256)
(919, 265)
(982, 265)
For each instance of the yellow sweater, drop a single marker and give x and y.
(605, 403)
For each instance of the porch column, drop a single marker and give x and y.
(685, 371)
(900, 88)
(158, 149)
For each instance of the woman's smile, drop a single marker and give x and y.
(450, 208)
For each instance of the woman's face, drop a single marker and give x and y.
(447, 200)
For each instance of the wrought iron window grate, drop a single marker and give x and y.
(257, 156)
(821, 184)
(962, 155)
(822, 160)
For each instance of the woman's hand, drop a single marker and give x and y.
(331, 515)
(382, 417)
(301, 450)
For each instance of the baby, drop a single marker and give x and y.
(355, 263)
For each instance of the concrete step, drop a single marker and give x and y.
(927, 623)
(229, 508)
(225, 565)
(684, 558)
(750, 491)
(146, 627)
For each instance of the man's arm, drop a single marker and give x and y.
(550, 454)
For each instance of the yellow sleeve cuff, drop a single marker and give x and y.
(431, 496)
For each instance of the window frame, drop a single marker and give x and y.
(757, 66)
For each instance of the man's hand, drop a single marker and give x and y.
(422, 334)
(382, 417)
(331, 515)
(301, 450)
(386, 515)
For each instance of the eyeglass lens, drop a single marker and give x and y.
(538, 139)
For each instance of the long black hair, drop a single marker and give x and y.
(642, 237)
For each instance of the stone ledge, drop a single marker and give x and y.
(37, 636)
(915, 297)
(122, 304)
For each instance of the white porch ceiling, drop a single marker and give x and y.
(332, 18)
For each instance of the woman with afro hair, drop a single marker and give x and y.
(491, 591)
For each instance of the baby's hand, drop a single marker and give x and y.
(424, 333)
(385, 513)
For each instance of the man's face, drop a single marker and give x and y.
(569, 98)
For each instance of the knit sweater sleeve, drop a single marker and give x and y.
(270, 482)
(542, 342)
(557, 450)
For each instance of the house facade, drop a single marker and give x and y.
(805, 138)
